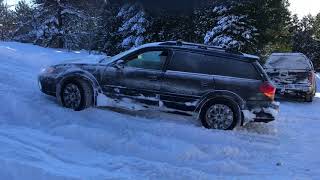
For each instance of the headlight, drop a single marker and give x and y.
(48, 70)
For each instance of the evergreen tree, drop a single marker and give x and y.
(6, 21)
(294, 24)
(203, 20)
(168, 27)
(107, 37)
(317, 27)
(116, 25)
(271, 19)
(232, 29)
(133, 29)
(60, 23)
(304, 40)
(24, 16)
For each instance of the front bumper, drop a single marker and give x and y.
(47, 85)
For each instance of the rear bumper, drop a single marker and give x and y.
(266, 113)
(294, 88)
(264, 117)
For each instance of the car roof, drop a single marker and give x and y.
(194, 47)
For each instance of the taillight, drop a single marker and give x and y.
(311, 77)
(268, 90)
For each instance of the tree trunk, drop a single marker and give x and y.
(60, 25)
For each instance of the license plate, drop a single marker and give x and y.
(289, 86)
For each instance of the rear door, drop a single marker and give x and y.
(185, 81)
(239, 76)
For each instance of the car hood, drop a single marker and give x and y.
(88, 60)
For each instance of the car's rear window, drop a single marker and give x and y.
(212, 65)
(288, 61)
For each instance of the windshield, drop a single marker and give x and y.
(118, 56)
(288, 61)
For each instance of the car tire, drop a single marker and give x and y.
(308, 98)
(220, 114)
(77, 95)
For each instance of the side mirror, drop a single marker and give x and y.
(119, 64)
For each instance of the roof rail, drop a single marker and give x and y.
(200, 46)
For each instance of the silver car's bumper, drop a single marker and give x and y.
(293, 88)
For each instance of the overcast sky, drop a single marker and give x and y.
(300, 7)
(305, 7)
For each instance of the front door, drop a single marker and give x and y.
(140, 76)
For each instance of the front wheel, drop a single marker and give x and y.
(221, 115)
(76, 95)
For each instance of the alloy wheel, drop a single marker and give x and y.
(219, 116)
(72, 96)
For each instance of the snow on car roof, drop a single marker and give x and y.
(250, 56)
(287, 54)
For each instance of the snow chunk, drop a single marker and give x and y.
(104, 101)
(248, 116)
(272, 111)
(250, 56)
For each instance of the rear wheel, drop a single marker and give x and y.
(76, 95)
(220, 114)
(309, 98)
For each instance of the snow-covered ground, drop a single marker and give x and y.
(41, 140)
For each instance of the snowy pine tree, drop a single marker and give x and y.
(168, 27)
(203, 20)
(305, 41)
(60, 24)
(134, 26)
(24, 22)
(6, 21)
(317, 27)
(232, 29)
(106, 36)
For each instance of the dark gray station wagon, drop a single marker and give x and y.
(222, 88)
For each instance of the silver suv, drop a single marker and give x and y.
(293, 74)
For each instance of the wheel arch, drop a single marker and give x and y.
(221, 95)
(76, 75)
(226, 95)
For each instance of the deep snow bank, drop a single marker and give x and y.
(40, 140)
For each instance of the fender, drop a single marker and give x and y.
(78, 73)
(220, 94)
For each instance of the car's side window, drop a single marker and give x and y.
(154, 60)
(187, 62)
(212, 65)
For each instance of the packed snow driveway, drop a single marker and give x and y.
(41, 140)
